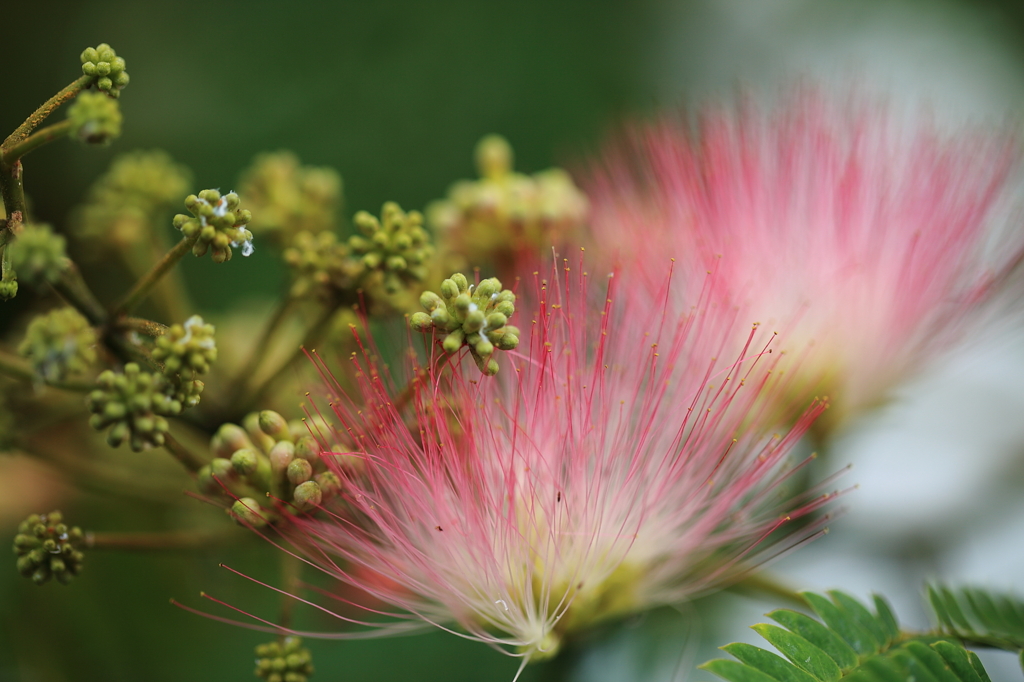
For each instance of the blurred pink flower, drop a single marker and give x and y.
(613, 465)
(868, 244)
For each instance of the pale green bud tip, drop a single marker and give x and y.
(228, 439)
(38, 255)
(299, 471)
(59, 343)
(245, 461)
(106, 67)
(284, 661)
(274, 425)
(308, 449)
(494, 157)
(95, 118)
(472, 316)
(281, 455)
(248, 512)
(48, 548)
(307, 495)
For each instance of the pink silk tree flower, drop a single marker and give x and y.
(612, 465)
(868, 244)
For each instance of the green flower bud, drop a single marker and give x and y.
(228, 439)
(251, 422)
(329, 483)
(245, 461)
(319, 265)
(308, 449)
(134, 405)
(38, 255)
(219, 223)
(8, 287)
(506, 213)
(274, 425)
(59, 343)
(95, 118)
(281, 455)
(187, 348)
(307, 495)
(247, 512)
(475, 317)
(396, 245)
(420, 322)
(47, 548)
(108, 69)
(289, 198)
(494, 157)
(299, 471)
(128, 202)
(284, 661)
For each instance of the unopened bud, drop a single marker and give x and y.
(248, 512)
(299, 471)
(281, 455)
(245, 461)
(274, 425)
(307, 495)
(308, 449)
(228, 439)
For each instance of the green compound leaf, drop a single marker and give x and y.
(850, 642)
(979, 616)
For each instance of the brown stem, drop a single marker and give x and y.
(167, 540)
(36, 140)
(44, 110)
(254, 391)
(189, 460)
(73, 289)
(142, 325)
(146, 283)
(259, 349)
(766, 584)
(291, 574)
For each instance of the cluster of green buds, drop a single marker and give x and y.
(319, 264)
(285, 661)
(134, 404)
(106, 67)
(47, 548)
(268, 457)
(59, 343)
(38, 255)
(396, 245)
(476, 317)
(127, 202)
(217, 224)
(95, 118)
(289, 198)
(506, 212)
(186, 351)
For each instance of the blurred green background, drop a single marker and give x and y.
(393, 95)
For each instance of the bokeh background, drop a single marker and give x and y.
(394, 95)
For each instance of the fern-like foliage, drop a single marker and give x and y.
(849, 642)
(979, 616)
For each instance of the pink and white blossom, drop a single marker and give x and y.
(869, 244)
(616, 463)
